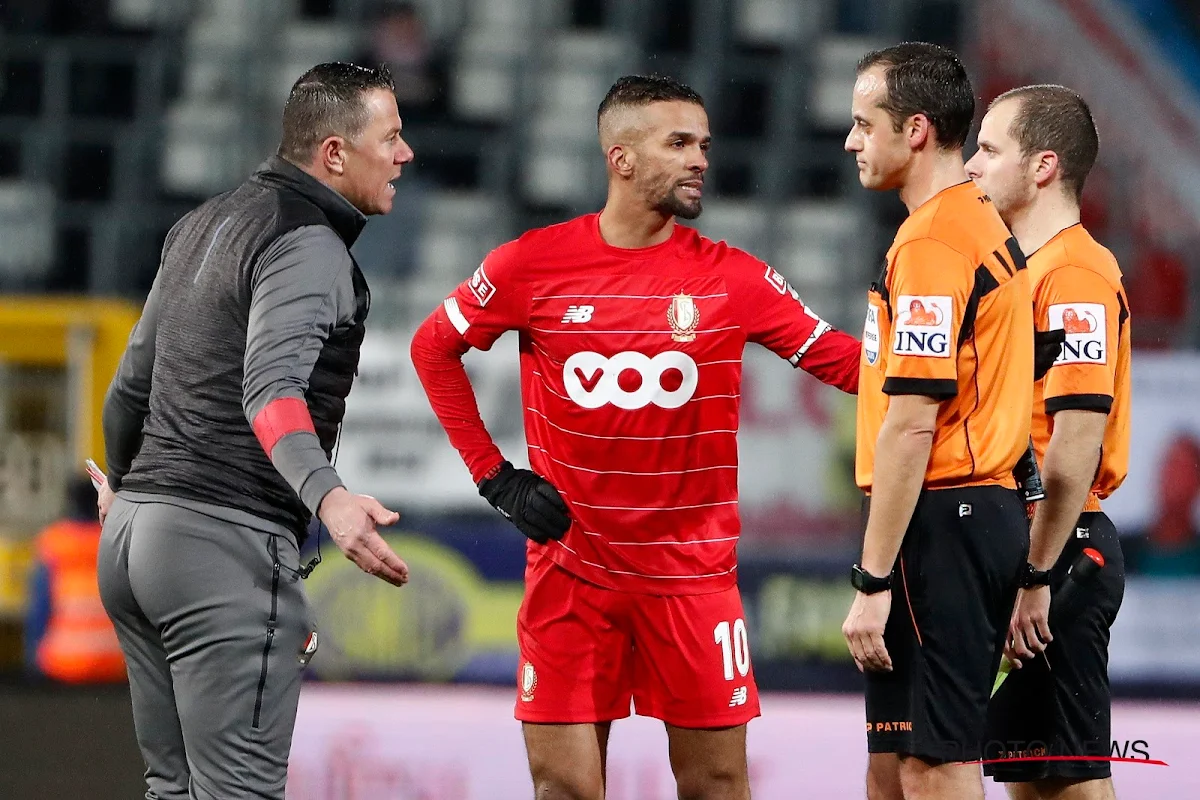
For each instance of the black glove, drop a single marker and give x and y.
(529, 501)
(1046, 347)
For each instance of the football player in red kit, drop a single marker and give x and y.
(631, 336)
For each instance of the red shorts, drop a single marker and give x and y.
(587, 651)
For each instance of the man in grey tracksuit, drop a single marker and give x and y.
(219, 428)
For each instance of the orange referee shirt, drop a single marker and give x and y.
(1077, 288)
(952, 318)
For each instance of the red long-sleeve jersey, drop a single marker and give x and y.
(631, 366)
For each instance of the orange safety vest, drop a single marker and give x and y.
(80, 645)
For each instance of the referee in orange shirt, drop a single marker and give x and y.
(1036, 147)
(944, 403)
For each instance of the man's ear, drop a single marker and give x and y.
(332, 154)
(918, 130)
(621, 159)
(1046, 167)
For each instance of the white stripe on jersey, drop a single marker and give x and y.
(642, 574)
(625, 296)
(658, 508)
(633, 438)
(589, 331)
(668, 543)
(546, 386)
(456, 316)
(623, 472)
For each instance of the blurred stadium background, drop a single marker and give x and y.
(118, 116)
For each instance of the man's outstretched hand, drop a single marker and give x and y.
(530, 501)
(351, 520)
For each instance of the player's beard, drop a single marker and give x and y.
(670, 204)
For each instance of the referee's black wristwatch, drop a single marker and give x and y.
(867, 583)
(1032, 578)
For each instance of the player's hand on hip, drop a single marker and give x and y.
(530, 501)
(104, 500)
(1029, 630)
(863, 630)
(351, 520)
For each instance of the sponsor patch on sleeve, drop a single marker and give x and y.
(481, 287)
(923, 326)
(777, 281)
(870, 340)
(1086, 329)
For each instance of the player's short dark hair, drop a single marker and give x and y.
(926, 79)
(1055, 118)
(328, 100)
(642, 90)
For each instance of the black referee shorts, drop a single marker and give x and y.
(953, 589)
(1064, 709)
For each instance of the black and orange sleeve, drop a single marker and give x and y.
(929, 285)
(1082, 304)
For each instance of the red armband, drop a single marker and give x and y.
(280, 417)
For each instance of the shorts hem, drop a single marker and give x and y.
(570, 718)
(1026, 774)
(702, 723)
(932, 753)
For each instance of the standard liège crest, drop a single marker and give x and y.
(683, 317)
(528, 682)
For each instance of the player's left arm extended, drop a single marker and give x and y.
(127, 401)
(1068, 469)
(833, 358)
(901, 456)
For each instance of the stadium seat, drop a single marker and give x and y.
(204, 150)
(825, 236)
(740, 223)
(27, 231)
(836, 59)
(779, 22)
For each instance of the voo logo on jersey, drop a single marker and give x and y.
(1087, 333)
(923, 326)
(631, 380)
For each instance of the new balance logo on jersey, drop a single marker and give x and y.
(739, 697)
(578, 314)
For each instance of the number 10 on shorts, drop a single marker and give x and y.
(735, 649)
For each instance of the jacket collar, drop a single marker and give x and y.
(343, 217)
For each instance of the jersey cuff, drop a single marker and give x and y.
(938, 388)
(822, 328)
(317, 485)
(1082, 402)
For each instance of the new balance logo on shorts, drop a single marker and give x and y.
(578, 314)
(739, 697)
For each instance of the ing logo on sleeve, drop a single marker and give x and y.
(923, 326)
(1086, 329)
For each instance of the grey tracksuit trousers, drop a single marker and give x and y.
(215, 627)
